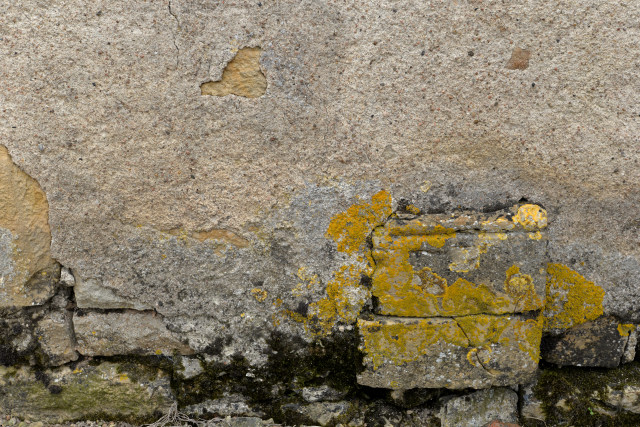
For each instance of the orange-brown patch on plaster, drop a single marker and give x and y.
(519, 59)
(242, 76)
(223, 235)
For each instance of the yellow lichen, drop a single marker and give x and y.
(571, 299)
(403, 292)
(398, 342)
(403, 342)
(345, 295)
(521, 289)
(531, 217)
(413, 209)
(350, 229)
(535, 236)
(259, 294)
(439, 236)
(625, 329)
(345, 298)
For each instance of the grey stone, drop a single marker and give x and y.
(599, 343)
(480, 408)
(84, 392)
(55, 335)
(90, 293)
(322, 393)
(626, 397)
(233, 405)
(630, 349)
(66, 277)
(322, 413)
(531, 406)
(190, 367)
(129, 332)
(472, 351)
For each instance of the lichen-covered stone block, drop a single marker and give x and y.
(462, 264)
(127, 392)
(130, 332)
(471, 351)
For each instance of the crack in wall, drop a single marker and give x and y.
(173, 34)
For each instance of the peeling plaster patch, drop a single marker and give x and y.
(242, 76)
(519, 59)
(27, 267)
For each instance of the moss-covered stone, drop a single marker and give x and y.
(292, 364)
(579, 396)
(107, 391)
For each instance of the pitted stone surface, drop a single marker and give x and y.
(361, 97)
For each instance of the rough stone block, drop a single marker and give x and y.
(472, 351)
(134, 393)
(600, 343)
(27, 270)
(463, 264)
(481, 408)
(55, 335)
(130, 332)
(91, 293)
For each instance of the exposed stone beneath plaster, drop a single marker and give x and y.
(27, 271)
(124, 333)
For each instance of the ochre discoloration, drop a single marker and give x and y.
(242, 76)
(519, 59)
(24, 212)
(223, 235)
(571, 299)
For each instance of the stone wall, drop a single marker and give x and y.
(314, 212)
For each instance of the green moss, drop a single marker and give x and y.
(582, 391)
